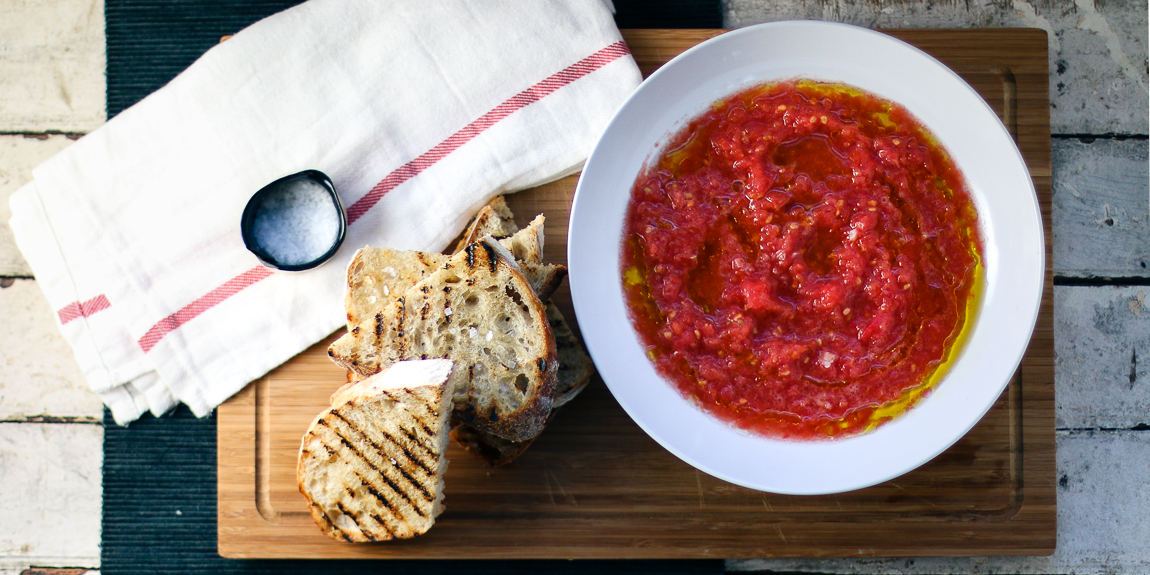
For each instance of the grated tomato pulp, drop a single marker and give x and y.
(801, 260)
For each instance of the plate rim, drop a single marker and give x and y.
(583, 306)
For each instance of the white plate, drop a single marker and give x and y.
(983, 150)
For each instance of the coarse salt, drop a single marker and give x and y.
(297, 223)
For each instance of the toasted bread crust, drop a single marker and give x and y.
(492, 449)
(575, 366)
(504, 385)
(371, 466)
(494, 219)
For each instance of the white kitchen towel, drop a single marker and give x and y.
(419, 111)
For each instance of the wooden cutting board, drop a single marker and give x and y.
(595, 486)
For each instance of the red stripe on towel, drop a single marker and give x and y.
(190, 311)
(518, 101)
(397, 177)
(76, 310)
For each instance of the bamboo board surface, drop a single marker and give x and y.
(595, 486)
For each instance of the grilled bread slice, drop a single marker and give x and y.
(575, 366)
(490, 448)
(479, 311)
(494, 219)
(371, 466)
(377, 277)
(527, 244)
(575, 370)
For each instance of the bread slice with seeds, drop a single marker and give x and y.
(376, 277)
(371, 467)
(479, 311)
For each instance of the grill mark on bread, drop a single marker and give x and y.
(379, 471)
(379, 521)
(400, 333)
(378, 326)
(376, 494)
(323, 514)
(470, 251)
(354, 519)
(411, 457)
(416, 441)
(406, 453)
(370, 488)
(425, 404)
(430, 452)
(492, 261)
(429, 498)
(423, 426)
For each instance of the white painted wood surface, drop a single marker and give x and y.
(51, 80)
(50, 484)
(1102, 359)
(1101, 211)
(51, 65)
(18, 155)
(1103, 498)
(38, 378)
(1097, 49)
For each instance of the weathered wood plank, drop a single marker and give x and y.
(1101, 350)
(1097, 49)
(51, 65)
(50, 483)
(1101, 208)
(1102, 519)
(38, 376)
(18, 155)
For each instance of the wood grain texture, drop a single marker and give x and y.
(595, 486)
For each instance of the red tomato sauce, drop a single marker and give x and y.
(801, 260)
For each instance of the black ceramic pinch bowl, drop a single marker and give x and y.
(295, 223)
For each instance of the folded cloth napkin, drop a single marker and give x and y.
(419, 111)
